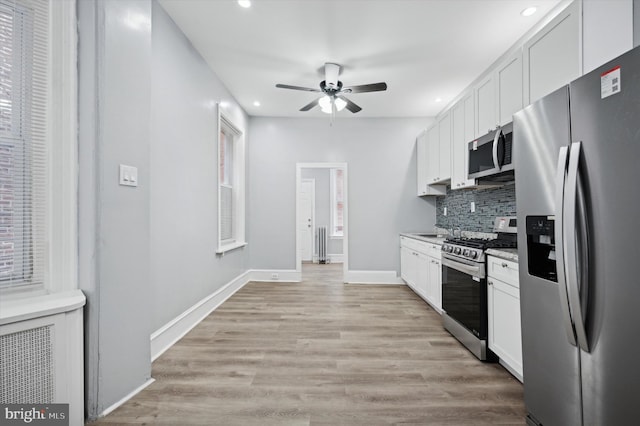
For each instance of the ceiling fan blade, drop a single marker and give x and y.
(306, 89)
(350, 105)
(310, 105)
(375, 87)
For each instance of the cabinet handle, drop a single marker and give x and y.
(490, 282)
(504, 265)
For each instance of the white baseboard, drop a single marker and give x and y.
(163, 338)
(268, 275)
(126, 398)
(373, 277)
(336, 258)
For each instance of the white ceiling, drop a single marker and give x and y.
(423, 50)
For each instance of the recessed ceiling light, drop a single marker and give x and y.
(244, 3)
(529, 11)
(438, 99)
(256, 103)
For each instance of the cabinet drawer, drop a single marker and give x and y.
(413, 244)
(504, 270)
(434, 250)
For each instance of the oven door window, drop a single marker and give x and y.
(462, 299)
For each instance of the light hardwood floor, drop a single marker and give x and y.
(323, 353)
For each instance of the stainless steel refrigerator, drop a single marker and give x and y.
(577, 170)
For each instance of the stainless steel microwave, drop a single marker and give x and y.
(490, 156)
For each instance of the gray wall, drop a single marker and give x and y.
(114, 255)
(381, 159)
(490, 202)
(323, 205)
(184, 212)
(146, 254)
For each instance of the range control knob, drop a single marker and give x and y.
(458, 250)
(444, 247)
(449, 249)
(473, 254)
(465, 253)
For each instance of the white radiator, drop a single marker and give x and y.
(321, 244)
(41, 353)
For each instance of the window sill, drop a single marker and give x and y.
(229, 247)
(40, 306)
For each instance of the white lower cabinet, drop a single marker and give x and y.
(505, 335)
(420, 268)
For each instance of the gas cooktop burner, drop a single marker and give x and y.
(483, 243)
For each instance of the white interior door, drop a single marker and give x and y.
(306, 219)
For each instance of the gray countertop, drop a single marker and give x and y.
(433, 239)
(507, 254)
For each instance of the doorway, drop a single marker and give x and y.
(329, 246)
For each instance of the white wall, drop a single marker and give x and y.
(381, 158)
(184, 211)
(323, 205)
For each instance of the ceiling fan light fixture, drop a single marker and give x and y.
(326, 101)
(325, 104)
(340, 104)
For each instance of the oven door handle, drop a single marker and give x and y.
(475, 271)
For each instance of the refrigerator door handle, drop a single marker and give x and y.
(559, 240)
(575, 278)
(496, 139)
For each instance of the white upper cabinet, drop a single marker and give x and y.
(551, 58)
(462, 120)
(485, 93)
(433, 153)
(509, 88)
(444, 150)
(422, 169)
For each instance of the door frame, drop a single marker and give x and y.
(345, 239)
(313, 213)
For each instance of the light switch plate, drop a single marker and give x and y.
(128, 175)
(445, 211)
(473, 207)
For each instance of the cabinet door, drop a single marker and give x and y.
(505, 336)
(485, 106)
(444, 147)
(433, 154)
(509, 88)
(551, 58)
(422, 284)
(405, 258)
(435, 283)
(421, 163)
(461, 134)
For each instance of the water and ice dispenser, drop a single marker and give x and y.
(541, 247)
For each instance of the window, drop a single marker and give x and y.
(231, 192)
(337, 202)
(23, 143)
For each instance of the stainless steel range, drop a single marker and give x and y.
(464, 285)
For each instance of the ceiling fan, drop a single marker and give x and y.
(333, 98)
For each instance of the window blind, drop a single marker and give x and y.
(23, 142)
